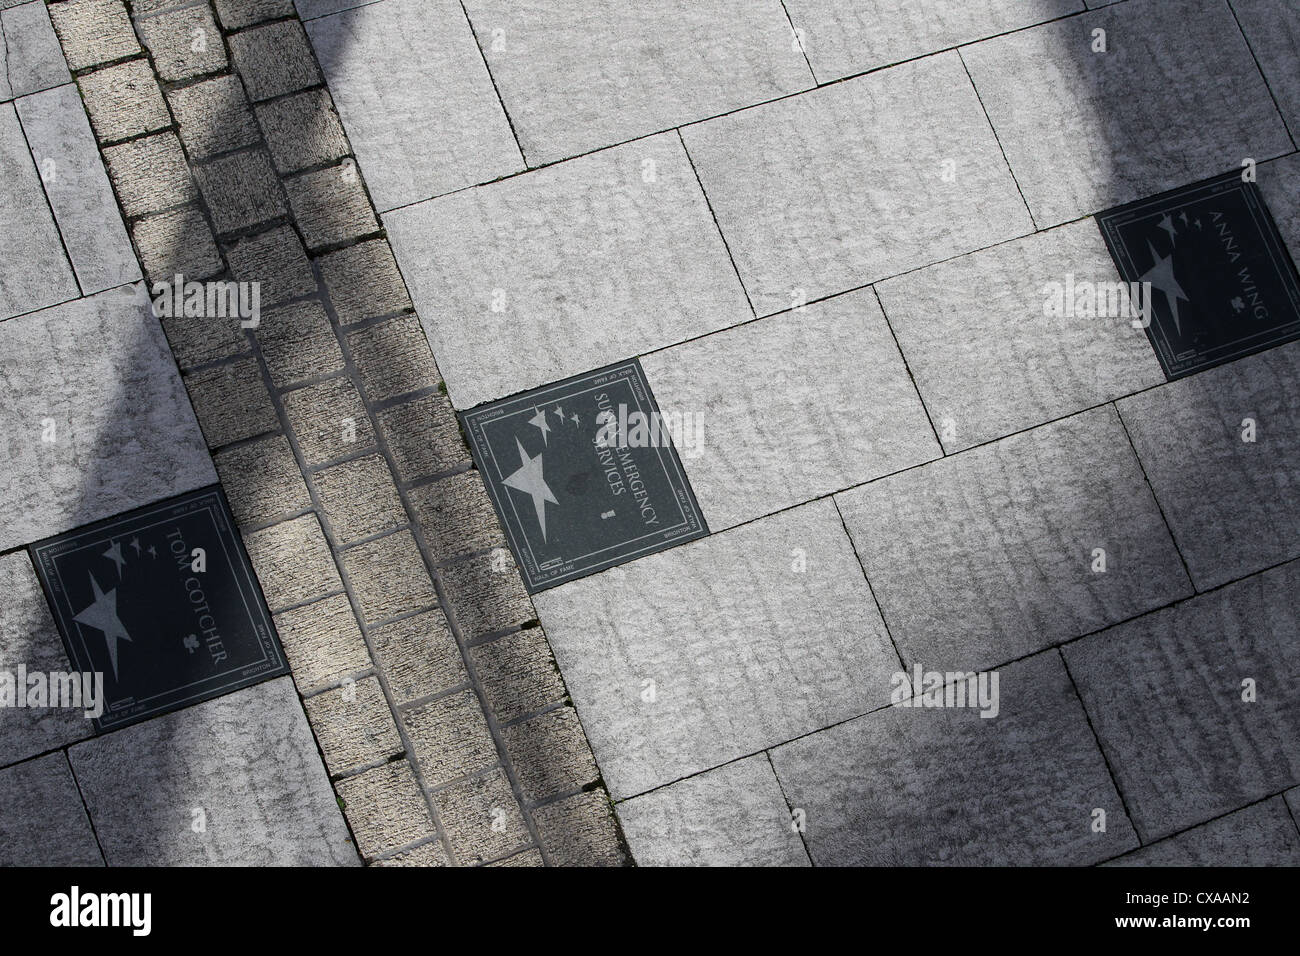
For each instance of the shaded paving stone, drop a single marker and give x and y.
(990, 555)
(274, 60)
(958, 789)
(1293, 800)
(150, 174)
(364, 282)
(450, 738)
(389, 577)
(302, 131)
(241, 191)
(518, 674)
(42, 819)
(1279, 181)
(550, 754)
(1165, 695)
(236, 14)
(385, 808)
(98, 372)
(486, 594)
(778, 412)
(393, 358)
(423, 437)
(1232, 504)
(231, 402)
(426, 854)
(328, 419)
(1273, 31)
(1260, 835)
(87, 215)
(580, 831)
(323, 642)
(359, 498)
(183, 43)
(93, 31)
(354, 725)
(298, 343)
(330, 206)
(246, 760)
(31, 59)
(1006, 366)
(420, 109)
(635, 73)
(734, 815)
(262, 480)
(29, 638)
(456, 516)
(1095, 130)
(213, 116)
(293, 562)
(574, 258)
(197, 341)
(839, 187)
(276, 260)
(526, 858)
(419, 656)
(481, 818)
(124, 101)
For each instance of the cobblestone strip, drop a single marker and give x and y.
(429, 684)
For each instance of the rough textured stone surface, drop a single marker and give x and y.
(100, 369)
(199, 340)
(359, 498)
(354, 725)
(796, 650)
(364, 282)
(275, 259)
(788, 413)
(456, 516)
(323, 642)
(42, 819)
(486, 594)
(262, 480)
(518, 674)
(418, 103)
(389, 577)
(419, 656)
(274, 60)
(989, 555)
(180, 242)
(1260, 835)
(247, 760)
(576, 256)
(302, 131)
(31, 59)
(732, 816)
(1095, 130)
(183, 43)
(124, 101)
(241, 190)
(833, 189)
(482, 818)
(293, 562)
(426, 854)
(231, 402)
(331, 206)
(393, 358)
(423, 437)
(1165, 696)
(1234, 506)
(580, 831)
(987, 371)
(526, 858)
(298, 343)
(323, 418)
(236, 14)
(213, 116)
(93, 31)
(636, 71)
(945, 786)
(1273, 31)
(1280, 183)
(450, 737)
(385, 808)
(550, 754)
(150, 174)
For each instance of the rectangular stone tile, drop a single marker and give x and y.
(329, 420)
(1279, 181)
(581, 831)
(947, 787)
(789, 408)
(97, 376)
(526, 281)
(415, 97)
(236, 14)
(734, 815)
(1273, 31)
(293, 562)
(322, 642)
(1195, 705)
(636, 70)
(275, 59)
(354, 726)
(183, 43)
(42, 819)
(1232, 503)
(180, 242)
(247, 761)
(34, 272)
(31, 59)
(213, 116)
(991, 554)
(550, 754)
(1175, 99)
(386, 808)
(79, 192)
(93, 31)
(482, 818)
(359, 498)
(419, 656)
(1260, 835)
(150, 175)
(846, 38)
(389, 577)
(771, 633)
(988, 361)
(831, 190)
(518, 674)
(124, 101)
(450, 737)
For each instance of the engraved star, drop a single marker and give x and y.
(114, 554)
(102, 616)
(135, 545)
(1161, 276)
(540, 421)
(1167, 224)
(559, 411)
(528, 479)
(576, 420)
(153, 552)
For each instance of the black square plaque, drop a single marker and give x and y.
(1222, 283)
(163, 602)
(583, 475)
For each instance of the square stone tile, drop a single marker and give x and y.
(331, 206)
(247, 761)
(359, 498)
(237, 14)
(987, 358)
(419, 656)
(424, 437)
(831, 190)
(1259, 835)
(636, 70)
(1232, 503)
(274, 60)
(389, 577)
(1273, 32)
(150, 174)
(425, 855)
(581, 831)
(302, 131)
(734, 815)
(213, 116)
(329, 420)
(95, 375)
(293, 562)
(353, 725)
(771, 633)
(323, 642)
(231, 402)
(945, 786)
(180, 242)
(42, 819)
(183, 43)
(93, 31)
(550, 754)
(386, 808)
(989, 555)
(417, 101)
(1169, 699)
(783, 410)
(277, 261)
(124, 101)
(450, 737)
(518, 674)
(393, 358)
(456, 516)
(298, 343)
(364, 282)
(1175, 98)
(262, 479)
(31, 59)
(241, 191)
(482, 818)
(486, 594)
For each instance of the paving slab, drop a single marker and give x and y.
(124, 101)
(751, 651)
(791, 407)
(1273, 32)
(987, 359)
(244, 767)
(1279, 181)
(1175, 99)
(734, 815)
(526, 281)
(97, 376)
(945, 786)
(78, 189)
(42, 819)
(1233, 504)
(986, 556)
(845, 185)
(636, 70)
(846, 38)
(31, 59)
(1262, 834)
(1167, 696)
(93, 32)
(415, 98)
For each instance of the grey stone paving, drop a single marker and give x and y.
(1263, 834)
(1273, 32)
(42, 819)
(30, 58)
